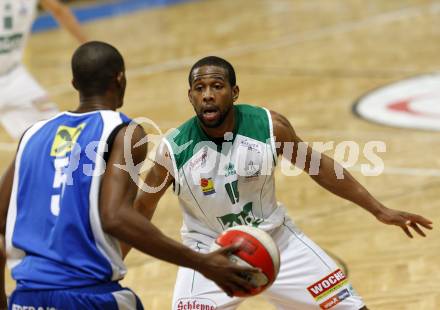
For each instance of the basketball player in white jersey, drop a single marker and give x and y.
(65, 203)
(22, 100)
(221, 164)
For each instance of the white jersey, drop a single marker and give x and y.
(16, 18)
(227, 184)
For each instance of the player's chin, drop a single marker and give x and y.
(211, 122)
(211, 125)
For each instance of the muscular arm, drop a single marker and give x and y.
(65, 17)
(5, 195)
(347, 187)
(157, 181)
(121, 220)
(158, 178)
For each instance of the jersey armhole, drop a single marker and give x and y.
(272, 137)
(111, 140)
(176, 182)
(21, 138)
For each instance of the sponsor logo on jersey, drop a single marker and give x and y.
(230, 169)
(23, 11)
(207, 186)
(411, 103)
(199, 161)
(333, 301)
(327, 285)
(245, 217)
(251, 146)
(252, 171)
(195, 304)
(65, 139)
(10, 43)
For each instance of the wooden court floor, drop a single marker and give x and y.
(309, 60)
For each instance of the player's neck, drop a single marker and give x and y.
(96, 103)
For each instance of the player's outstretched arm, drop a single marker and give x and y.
(65, 17)
(121, 220)
(5, 195)
(322, 171)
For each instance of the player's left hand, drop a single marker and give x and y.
(404, 220)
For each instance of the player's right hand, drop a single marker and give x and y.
(227, 275)
(404, 220)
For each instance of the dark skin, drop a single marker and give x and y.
(211, 91)
(5, 195)
(119, 218)
(213, 101)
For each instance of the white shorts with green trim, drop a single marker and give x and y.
(308, 279)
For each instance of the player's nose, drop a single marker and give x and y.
(208, 94)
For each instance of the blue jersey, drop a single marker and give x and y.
(54, 236)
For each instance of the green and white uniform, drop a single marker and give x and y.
(23, 101)
(232, 183)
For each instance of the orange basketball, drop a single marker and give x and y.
(256, 249)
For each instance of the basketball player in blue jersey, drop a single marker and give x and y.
(221, 164)
(65, 203)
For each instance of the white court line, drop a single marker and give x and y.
(419, 172)
(370, 134)
(287, 40)
(293, 39)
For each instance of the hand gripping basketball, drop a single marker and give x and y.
(256, 248)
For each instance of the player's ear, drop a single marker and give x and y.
(121, 78)
(235, 92)
(190, 96)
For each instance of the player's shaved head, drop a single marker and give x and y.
(217, 62)
(95, 66)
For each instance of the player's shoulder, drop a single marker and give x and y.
(187, 125)
(246, 109)
(182, 141)
(112, 115)
(188, 131)
(251, 114)
(253, 121)
(124, 117)
(279, 121)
